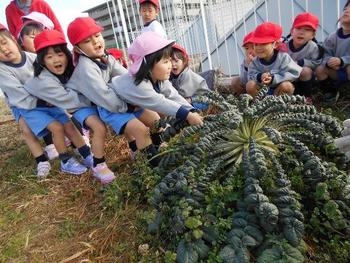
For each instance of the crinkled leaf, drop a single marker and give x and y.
(227, 254)
(186, 253)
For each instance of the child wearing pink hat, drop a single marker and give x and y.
(149, 10)
(147, 85)
(92, 75)
(271, 67)
(188, 83)
(335, 67)
(303, 49)
(238, 83)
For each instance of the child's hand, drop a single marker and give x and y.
(266, 78)
(194, 118)
(249, 59)
(334, 63)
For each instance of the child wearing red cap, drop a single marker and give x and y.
(16, 68)
(271, 67)
(52, 70)
(147, 85)
(335, 67)
(188, 83)
(304, 50)
(149, 10)
(238, 83)
(92, 76)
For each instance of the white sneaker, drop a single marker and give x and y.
(67, 142)
(43, 169)
(86, 136)
(51, 151)
(103, 173)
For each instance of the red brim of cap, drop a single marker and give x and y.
(305, 24)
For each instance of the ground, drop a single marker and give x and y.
(63, 218)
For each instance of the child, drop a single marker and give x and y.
(118, 55)
(149, 10)
(188, 83)
(238, 83)
(147, 85)
(92, 77)
(16, 67)
(304, 50)
(52, 70)
(335, 64)
(18, 8)
(270, 67)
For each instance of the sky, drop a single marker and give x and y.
(65, 10)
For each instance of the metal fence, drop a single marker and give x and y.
(212, 30)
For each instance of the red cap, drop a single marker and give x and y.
(48, 38)
(155, 2)
(266, 32)
(247, 38)
(2, 27)
(118, 54)
(82, 28)
(305, 19)
(183, 51)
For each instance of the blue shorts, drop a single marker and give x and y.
(16, 113)
(39, 118)
(83, 113)
(342, 75)
(117, 121)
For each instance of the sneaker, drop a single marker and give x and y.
(72, 166)
(331, 97)
(88, 161)
(86, 136)
(43, 169)
(51, 151)
(67, 142)
(103, 173)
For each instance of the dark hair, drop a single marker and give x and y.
(178, 54)
(149, 61)
(347, 3)
(29, 29)
(39, 62)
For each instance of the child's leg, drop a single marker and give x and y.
(149, 118)
(136, 129)
(285, 87)
(252, 88)
(325, 77)
(98, 140)
(304, 85)
(30, 139)
(236, 86)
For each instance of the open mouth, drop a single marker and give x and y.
(58, 67)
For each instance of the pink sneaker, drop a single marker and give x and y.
(103, 173)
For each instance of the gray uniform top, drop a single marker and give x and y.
(48, 87)
(282, 68)
(337, 45)
(13, 77)
(92, 79)
(166, 100)
(189, 83)
(308, 55)
(243, 75)
(154, 26)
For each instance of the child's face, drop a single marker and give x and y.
(345, 17)
(178, 65)
(148, 12)
(161, 70)
(302, 35)
(28, 41)
(55, 62)
(9, 51)
(93, 46)
(264, 51)
(249, 50)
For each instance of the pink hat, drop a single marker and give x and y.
(143, 45)
(155, 2)
(305, 19)
(247, 38)
(48, 38)
(40, 18)
(183, 51)
(266, 32)
(82, 28)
